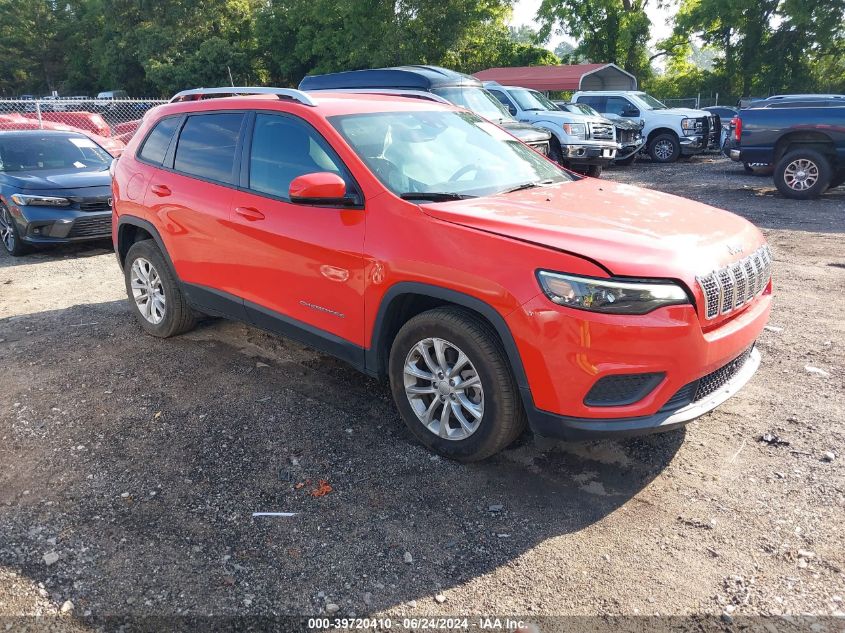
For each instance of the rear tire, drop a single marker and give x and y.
(664, 148)
(426, 385)
(802, 174)
(154, 293)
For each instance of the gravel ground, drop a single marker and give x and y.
(131, 466)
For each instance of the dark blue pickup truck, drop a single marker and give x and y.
(803, 139)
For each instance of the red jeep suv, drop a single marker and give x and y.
(419, 242)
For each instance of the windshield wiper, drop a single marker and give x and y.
(434, 196)
(527, 185)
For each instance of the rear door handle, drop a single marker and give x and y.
(160, 190)
(249, 213)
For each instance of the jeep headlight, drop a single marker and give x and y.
(39, 201)
(611, 295)
(578, 130)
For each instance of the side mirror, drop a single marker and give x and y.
(322, 187)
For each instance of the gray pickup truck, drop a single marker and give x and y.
(803, 138)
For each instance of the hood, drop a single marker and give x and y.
(50, 179)
(630, 231)
(525, 132)
(687, 113)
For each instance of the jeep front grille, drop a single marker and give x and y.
(728, 288)
(602, 131)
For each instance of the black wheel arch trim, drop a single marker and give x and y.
(376, 357)
(131, 220)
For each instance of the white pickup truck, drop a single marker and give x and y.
(670, 132)
(582, 143)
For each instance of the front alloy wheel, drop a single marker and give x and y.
(444, 389)
(147, 290)
(7, 231)
(452, 383)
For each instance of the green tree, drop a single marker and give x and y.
(606, 30)
(765, 46)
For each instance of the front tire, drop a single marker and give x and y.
(593, 171)
(802, 174)
(154, 294)
(453, 386)
(9, 234)
(664, 148)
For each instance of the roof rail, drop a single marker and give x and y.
(282, 93)
(391, 92)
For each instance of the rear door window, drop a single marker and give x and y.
(156, 144)
(207, 145)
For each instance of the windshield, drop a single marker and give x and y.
(35, 153)
(531, 99)
(443, 152)
(476, 99)
(651, 102)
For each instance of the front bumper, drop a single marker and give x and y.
(625, 151)
(584, 154)
(692, 144)
(552, 425)
(566, 352)
(47, 225)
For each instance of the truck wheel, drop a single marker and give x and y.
(453, 386)
(802, 174)
(593, 171)
(555, 151)
(664, 148)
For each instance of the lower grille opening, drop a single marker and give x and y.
(622, 389)
(90, 227)
(703, 387)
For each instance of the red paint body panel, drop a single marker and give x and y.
(330, 268)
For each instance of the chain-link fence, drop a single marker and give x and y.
(702, 101)
(109, 122)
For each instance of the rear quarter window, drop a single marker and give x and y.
(155, 146)
(207, 145)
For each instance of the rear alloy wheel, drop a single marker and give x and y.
(664, 148)
(453, 386)
(9, 234)
(802, 174)
(156, 297)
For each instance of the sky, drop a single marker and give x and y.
(525, 10)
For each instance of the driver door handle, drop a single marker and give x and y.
(160, 190)
(249, 213)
